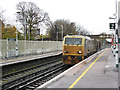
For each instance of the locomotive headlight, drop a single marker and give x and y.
(65, 51)
(79, 52)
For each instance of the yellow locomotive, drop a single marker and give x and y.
(76, 47)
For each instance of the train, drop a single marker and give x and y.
(77, 47)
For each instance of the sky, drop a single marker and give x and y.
(91, 14)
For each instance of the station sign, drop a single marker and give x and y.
(112, 25)
(11, 39)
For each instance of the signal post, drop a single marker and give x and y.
(119, 44)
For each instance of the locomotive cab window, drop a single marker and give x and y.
(77, 41)
(73, 41)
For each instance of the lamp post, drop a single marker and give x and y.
(115, 45)
(24, 22)
(113, 36)
(119, 43)
(116, 24)
(62, 32)
(1, 39)
(115, 40)
(56, 35)
(16, 41)
(42, 42)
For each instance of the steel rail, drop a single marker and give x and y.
(21, 71)
(51, 72)
(24, 80)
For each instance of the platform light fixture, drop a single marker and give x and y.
(18, 12)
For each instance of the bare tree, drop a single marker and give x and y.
(21, 13)
(62, 27)
(1, 15)
(30, 15)
(81, 30)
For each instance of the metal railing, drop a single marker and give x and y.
(32, 48)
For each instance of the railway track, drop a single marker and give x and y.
(32, 77)
(28, 69)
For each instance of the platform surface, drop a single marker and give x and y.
(102, 74)
(27, 58)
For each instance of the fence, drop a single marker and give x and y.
(28, 47)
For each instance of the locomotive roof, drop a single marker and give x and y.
(78, 36)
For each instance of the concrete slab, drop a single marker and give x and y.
(102, 74)
(28, 58)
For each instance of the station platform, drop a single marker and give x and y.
(98, 72)
(9, 61)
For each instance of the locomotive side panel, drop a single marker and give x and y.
(92, 46)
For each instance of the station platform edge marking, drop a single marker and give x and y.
(75, 82)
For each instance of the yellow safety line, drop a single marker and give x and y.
(15, 59)
(83, 73)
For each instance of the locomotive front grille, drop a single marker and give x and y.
(73, 50)
(72, 57)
